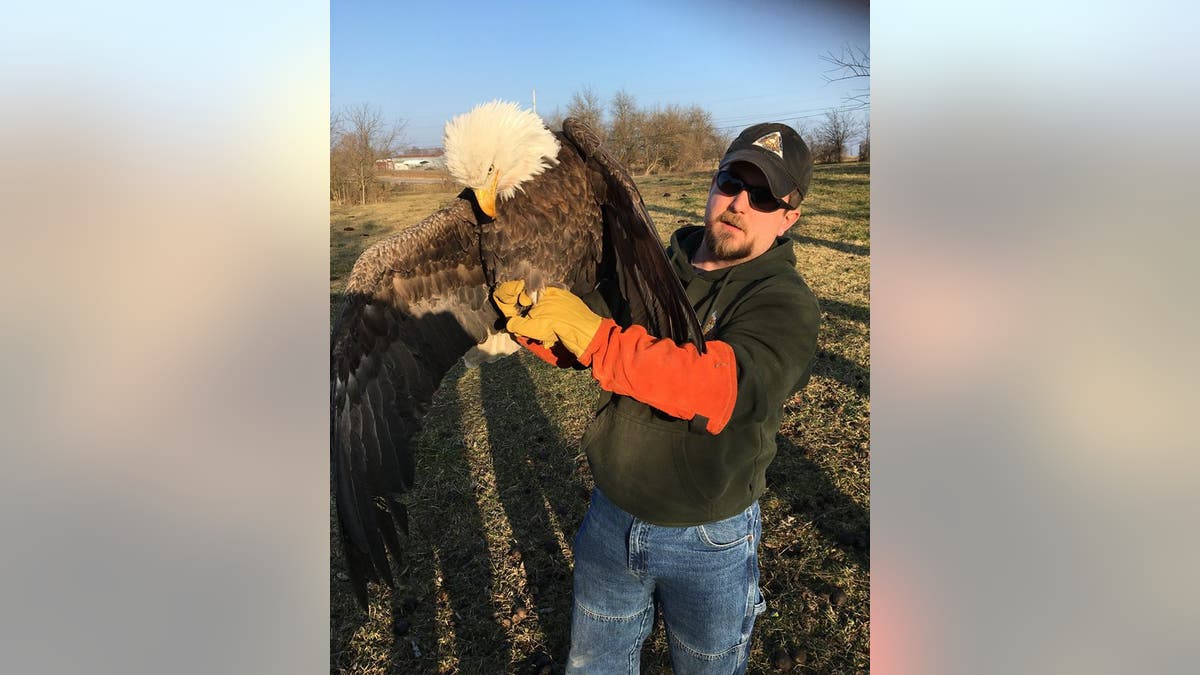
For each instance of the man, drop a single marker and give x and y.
(681, 441)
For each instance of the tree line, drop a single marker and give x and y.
(673, 138)
(661, 139)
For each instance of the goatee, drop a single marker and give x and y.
(720, 243)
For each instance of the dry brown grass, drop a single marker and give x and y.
(501, 490)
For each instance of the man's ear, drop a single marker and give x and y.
(789, 219)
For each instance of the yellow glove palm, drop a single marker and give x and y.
(511, 298)
(560, 315)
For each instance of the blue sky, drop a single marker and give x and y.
(745, 62)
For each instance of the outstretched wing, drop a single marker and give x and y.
(416, 302)
(648, 286)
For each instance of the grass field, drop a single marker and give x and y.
(486, 584)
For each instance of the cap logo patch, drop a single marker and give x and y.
(772, 142)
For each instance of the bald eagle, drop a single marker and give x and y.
(549, 208)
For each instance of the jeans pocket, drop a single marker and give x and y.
(724, 534)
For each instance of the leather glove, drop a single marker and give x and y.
(511, 298)
(558, 315)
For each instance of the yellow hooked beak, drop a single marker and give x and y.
(486, 195)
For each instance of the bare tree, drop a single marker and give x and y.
(360, 137)
(831, 138)
(336, 125)
(585, 106)
(675, 138)
(700, 143)
(852, 63)
(340, 170)
(646, 141)
(626, 128)
(661, 134)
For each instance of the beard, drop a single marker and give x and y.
(721, 242)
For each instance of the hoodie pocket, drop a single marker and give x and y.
(640, 465)
(707, 467)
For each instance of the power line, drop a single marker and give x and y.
(799, 114)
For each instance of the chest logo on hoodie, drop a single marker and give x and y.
(709, 325)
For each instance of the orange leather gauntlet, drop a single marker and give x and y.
(677, 380)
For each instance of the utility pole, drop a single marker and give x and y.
(535, 101)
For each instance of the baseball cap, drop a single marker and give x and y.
(779, 152)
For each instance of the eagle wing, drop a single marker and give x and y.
(419, 300)
(633, 255)
(416, 302)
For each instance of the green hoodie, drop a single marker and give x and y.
(672, 472)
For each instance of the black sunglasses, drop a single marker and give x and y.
(761, 198)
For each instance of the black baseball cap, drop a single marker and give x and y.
(779, 152)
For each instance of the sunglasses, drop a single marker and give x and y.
(761, 198)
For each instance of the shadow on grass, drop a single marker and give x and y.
(444, 571)
(534, 468)
(846, 310)
(814, 497)
(854, 249)
(689, 217)
(452, 529)
(819, 561)
(842, 369)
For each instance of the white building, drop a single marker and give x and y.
(413, 163)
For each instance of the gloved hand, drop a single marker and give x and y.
(557, 315)
(511, 298)
(676, 379)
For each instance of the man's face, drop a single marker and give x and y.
(734, 229)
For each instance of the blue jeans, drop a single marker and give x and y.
(705, 579)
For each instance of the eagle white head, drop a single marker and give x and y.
(495, 148)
